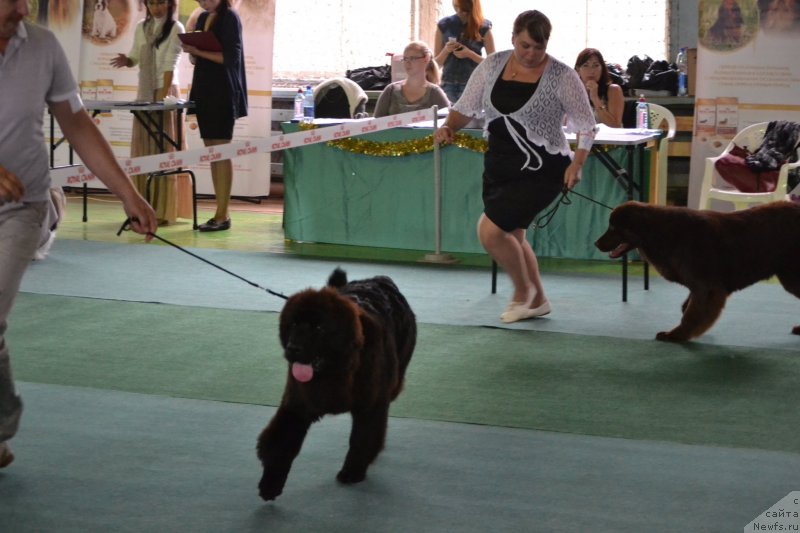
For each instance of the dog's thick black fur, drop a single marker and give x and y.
(711, 253)
(348, 346)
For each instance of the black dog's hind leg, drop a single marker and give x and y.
(278, 445)
(367, 437)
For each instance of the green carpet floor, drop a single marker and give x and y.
(263, 232)
(638, 389)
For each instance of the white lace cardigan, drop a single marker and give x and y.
(560, 94)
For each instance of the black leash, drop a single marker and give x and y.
(546, 218)
(127, 224)
(601, 204)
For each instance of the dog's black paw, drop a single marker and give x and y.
(270, 488)
(348, 477)
(796, 330)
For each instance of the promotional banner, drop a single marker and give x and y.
(63, 18)
(107, 29)
(746, 73)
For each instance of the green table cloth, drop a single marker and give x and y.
(338, 196)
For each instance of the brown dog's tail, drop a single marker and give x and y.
(338, 279)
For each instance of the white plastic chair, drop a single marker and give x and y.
(659, 114)
(749, 137)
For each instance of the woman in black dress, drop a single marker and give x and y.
(219, 92)
(525, 97)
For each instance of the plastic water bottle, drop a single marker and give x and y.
(299, 102)
(308, 106)
(642, 114)
(683, 71)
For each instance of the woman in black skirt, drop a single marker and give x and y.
(525, 95)
(219, 92)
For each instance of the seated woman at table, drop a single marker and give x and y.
(605, 97)
(156, 50)
(420, 89)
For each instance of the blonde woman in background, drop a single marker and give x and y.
(420, 89)
(156, 51)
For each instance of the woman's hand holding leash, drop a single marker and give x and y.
(572, 176)
(444, 135)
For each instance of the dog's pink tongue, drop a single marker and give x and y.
(618, 251)
(302, 373)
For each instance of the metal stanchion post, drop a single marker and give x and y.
(437, 256)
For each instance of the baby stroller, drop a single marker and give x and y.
(339, 98)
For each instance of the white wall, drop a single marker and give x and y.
(324, 38)
(320, 39)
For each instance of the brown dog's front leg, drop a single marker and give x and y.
(367, 437)
(278, 445)
(702, 308)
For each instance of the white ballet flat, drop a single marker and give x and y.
(520, 311)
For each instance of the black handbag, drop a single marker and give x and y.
(371, 78)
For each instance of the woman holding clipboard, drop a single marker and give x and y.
(219, 93)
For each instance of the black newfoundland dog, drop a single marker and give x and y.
(348, 346)
(713, 254)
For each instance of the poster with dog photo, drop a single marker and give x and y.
(252, 172)
(746, 74)
(107, 29)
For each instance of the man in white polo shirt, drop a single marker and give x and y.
(33, 73)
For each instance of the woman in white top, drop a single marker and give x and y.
(420, 89)
(156, 50)
(525, 95)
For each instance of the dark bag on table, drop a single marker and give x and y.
(660, 76)
(371, 78)
(637, 66)
(616, 76)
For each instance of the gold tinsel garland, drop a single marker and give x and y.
(401, 148)
(404, 148)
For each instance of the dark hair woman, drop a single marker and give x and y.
(219, 92)
(525, 96)
(606, 98)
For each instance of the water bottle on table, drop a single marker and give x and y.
(308, 106)
(642, 114)
(683, 71)
(299, 102)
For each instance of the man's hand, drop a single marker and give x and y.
(11, 188)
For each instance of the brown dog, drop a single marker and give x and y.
(348, 346)
(711, 253)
